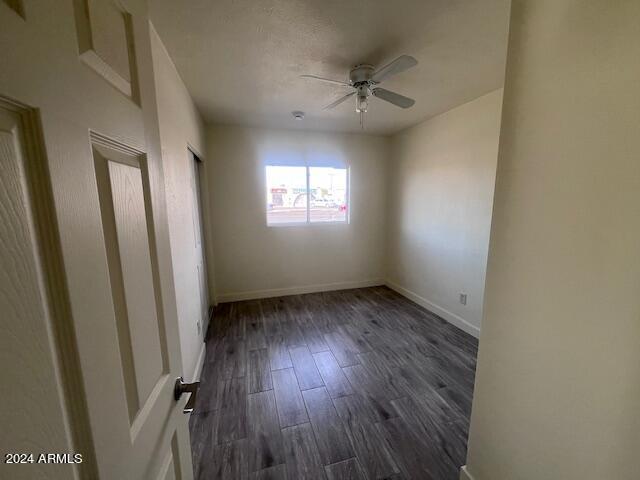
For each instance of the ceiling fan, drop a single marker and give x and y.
(364, 79)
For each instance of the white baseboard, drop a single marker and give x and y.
(464, 474)
(199, 364)
(452, 318)
(281, 292)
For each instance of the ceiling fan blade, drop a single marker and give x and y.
(400, 64)
(328, 80)
(393, 97)
(339, 101)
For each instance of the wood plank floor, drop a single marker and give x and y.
(353, 384)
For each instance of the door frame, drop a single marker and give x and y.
(207, 228)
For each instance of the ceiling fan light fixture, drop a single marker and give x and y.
(361, 104)
(361, 98)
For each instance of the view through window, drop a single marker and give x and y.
(306, 194)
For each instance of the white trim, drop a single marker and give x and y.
(199, 363)
(307, 224)
(450, 317)
(308, 195)
(325, 287)
(297, 290)
(464, 473)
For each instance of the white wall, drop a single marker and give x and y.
(254, 260)
(558, 382)
(442, 175)
(180, 128)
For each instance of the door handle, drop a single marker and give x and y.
(181, 387)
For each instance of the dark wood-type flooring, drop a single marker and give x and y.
(353, 384)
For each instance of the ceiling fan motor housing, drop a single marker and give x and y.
(361, 74)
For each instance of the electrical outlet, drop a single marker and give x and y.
(463, 298)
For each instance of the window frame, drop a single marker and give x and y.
(308, 222)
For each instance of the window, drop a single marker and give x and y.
(328, 190)
(302, 194)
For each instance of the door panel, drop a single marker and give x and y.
(105, 41)
(124, 220)
(170, 469)
(106, 328)
(25, 349)
(133, 249)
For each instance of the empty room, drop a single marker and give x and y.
(320, 239)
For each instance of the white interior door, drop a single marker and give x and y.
(198, 241)
(89, 327)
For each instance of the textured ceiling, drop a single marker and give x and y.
(241, 59)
